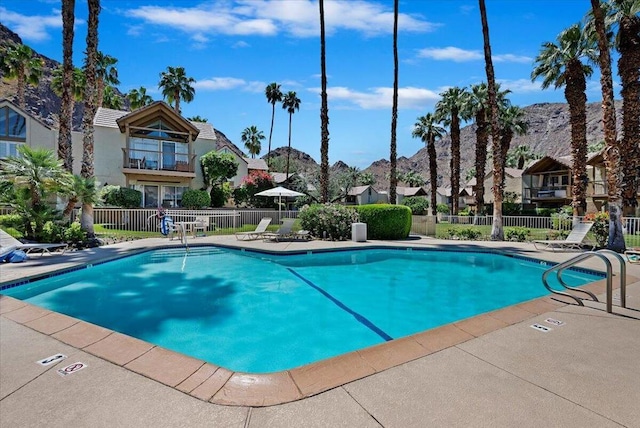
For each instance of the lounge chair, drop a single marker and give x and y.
(575, 240)
(284, 232)
(633, 255)
(7, 240)
(261, 228)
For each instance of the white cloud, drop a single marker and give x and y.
(381, 97)
(452, 53)
(240, 44)
(33, 28)
(228, 83)
(269, 17)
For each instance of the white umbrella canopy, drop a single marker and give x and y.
(280, 192)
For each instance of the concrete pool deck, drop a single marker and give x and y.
(493, 369)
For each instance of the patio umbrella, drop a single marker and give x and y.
(280, 192)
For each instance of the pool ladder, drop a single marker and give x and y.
(559, 268)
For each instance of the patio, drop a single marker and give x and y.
(490, 370)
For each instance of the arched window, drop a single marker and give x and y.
(13, 131)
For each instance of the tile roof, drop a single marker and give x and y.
(206, 130)
(107, 117)
(409, 191)
(256, 164)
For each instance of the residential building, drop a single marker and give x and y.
(547, 182)
(597, 188)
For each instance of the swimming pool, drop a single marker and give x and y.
(255, 312)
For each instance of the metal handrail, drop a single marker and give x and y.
(559, 268)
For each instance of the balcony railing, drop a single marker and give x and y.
(149, 160)
(600, 188)
(547, 192)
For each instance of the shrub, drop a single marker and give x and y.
(11, 220)
(195, 199)
(329, 220)
(121, 197)
(511, 208)
(386, 221)
(442, 208)
(52, 232)
(519, 234)
(465, 212)
(220, 195)
(417, 204)
(600, 227)
(74, 234)
(255, 182)
(464, 233)
(561, 221)
(545, 212)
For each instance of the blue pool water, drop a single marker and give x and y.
(260, 313)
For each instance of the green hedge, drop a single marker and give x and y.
(331, 221)
(386, 221)
(195, 199)
(121, 196)
(418, 204)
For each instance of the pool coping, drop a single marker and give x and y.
(219, 385)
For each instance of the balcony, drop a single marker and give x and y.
(547, 193)
(158, 163)
(599, 189)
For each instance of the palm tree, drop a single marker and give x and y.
(175, 86)
(450, 110)
(291, 103)
(90, 107)
(366, 179)
(518, 157)
(251, 138)
(613, 153)
(198, 118)
(76, 86)
(512, 122)
(561, 65)
(324, 114)
(626, 14)
(107, 75)
(393, 155)
(274, 95)
(111, 99)
(497, 231)
(67, 101)
(413, 179)
(428, 130)
(138, 98)
(19, 62)
(39, 173)
(475, 106)
(82, 190)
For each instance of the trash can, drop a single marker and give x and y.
(358, 232)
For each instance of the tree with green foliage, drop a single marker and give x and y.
(106, 76)
(291, 103)
(176, 86)
(138, 98)
(110, 99)
(198, 118)
(76, 86)
(413, 179)
(428, 130)
(561, 64)
(35, 174)
(217, 168)
(274, 95)
(19, 62)
(366, 179)
(251, 137)
(519, 156)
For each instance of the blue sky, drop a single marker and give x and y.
(234, 48)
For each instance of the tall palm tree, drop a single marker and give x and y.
(393, 155)
(324, 113)
(274, 95)
(106, 76)
(251, 138)
(413, 179)
(90, 107)
(138, 98)
(198, 118)
(497, 231)
(512, 122)
(291, 103)
(176, 86)
(449, 110)
(613, 153)
(518, 157)
(428, 130)
(67, 101)
(19, 62)
(626, 14)
(475, 106)
(561, 65)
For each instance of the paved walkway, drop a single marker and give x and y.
(585, 373)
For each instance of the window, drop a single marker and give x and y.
(8, 148)
(13, 126)
(154, 195)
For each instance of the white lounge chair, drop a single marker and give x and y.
(576, 240)
(285, 231)
(7, 240)
(254, 234)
